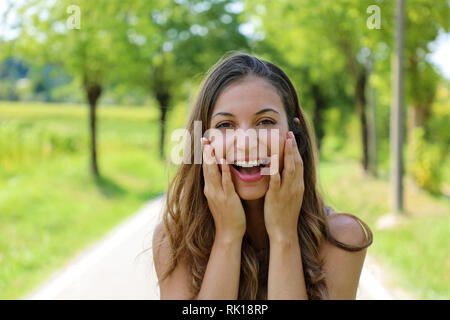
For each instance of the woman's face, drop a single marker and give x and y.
(251, 103)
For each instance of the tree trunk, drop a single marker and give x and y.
(397, 114)
(360, 85)
(420, 115)
(421, 106)
(319, 108)
(93, 93)
(163, 99)
(373, 133)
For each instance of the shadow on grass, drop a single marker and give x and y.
(109, 188)
(146, 196)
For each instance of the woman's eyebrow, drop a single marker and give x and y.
(223, 114)
(266, 110)
(232, 115)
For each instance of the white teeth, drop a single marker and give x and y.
(246, 164)
(249, 164)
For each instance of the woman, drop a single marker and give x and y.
(230, 232)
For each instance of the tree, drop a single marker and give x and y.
(83, 39)
(397, 117)
(332, 42)
(174, 41)
(424, 20)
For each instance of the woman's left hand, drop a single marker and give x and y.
(284, 197)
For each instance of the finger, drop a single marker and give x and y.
(296, 152)
(207, 151)
(289, 165)
(275, 179)
(204, 142)
(204, 167)
(211, 170)
(227, 183)
(275, 182)
(298, 161)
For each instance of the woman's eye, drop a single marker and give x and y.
(223, 125)
(266, 121)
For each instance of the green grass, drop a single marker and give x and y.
(50, 205)
(416, 253)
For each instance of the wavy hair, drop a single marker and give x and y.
(188, 222)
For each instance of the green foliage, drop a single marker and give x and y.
(426, 161)
(24, 142)
(437, 125)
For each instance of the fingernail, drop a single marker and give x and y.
(202, 143)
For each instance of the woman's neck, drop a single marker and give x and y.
(256, 229)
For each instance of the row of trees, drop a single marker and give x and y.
(155, 45)
(336, 52)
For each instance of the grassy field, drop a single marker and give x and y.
(51, 207)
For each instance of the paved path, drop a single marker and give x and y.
(114, 269)
(111, 268)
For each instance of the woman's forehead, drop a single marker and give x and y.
(247, 97)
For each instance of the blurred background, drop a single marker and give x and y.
(90, 92)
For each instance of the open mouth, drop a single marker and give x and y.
(249, 171)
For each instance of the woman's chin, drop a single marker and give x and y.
(251, 193)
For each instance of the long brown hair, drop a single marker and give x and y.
(188, 222)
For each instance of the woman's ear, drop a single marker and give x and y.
(297, 121)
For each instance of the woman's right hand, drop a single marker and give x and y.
(223, 201)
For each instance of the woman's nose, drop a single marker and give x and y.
(245, 143)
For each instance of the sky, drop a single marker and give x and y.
(440, 48)
(441, 54)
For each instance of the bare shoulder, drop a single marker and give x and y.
(159, 235)
(161, 249)
(342, 266)
(347, 229)
(177, 283)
